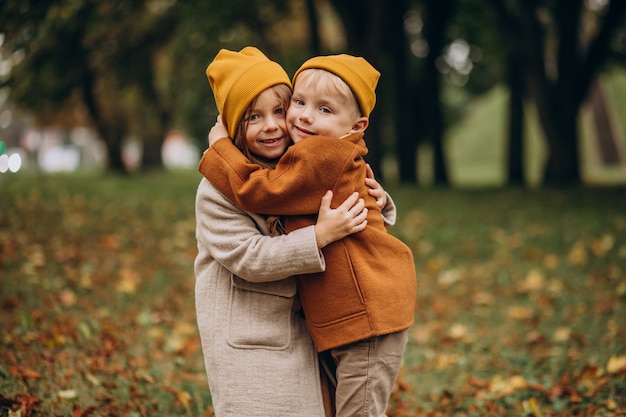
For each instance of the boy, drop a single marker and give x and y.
(358, 310)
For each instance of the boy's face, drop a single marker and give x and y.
(315, 111)
(266, 133)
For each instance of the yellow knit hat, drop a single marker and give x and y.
(360, 76)
(236, 79)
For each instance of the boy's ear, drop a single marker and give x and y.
(360, 125)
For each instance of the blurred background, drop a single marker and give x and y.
(473, 92)
(499, 130)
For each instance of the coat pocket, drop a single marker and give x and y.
(260, 314)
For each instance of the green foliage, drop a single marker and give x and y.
(521, 307)
(132, 67)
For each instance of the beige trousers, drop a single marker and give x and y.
(364, 374)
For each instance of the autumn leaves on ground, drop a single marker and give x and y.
(521, 308)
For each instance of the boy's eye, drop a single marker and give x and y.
(298, 101)
(325, 110)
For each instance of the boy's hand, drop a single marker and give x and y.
(218, 131)
(376, 190)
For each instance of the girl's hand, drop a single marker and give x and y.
(218, 131)
(376, 190)
(335, 224)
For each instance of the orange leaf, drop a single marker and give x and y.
(24, 372)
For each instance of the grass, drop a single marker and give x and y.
(521, 308)
(522, 295)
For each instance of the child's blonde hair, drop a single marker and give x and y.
(355, 71)
(328, 83)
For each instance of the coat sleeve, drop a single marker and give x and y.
(389, 212)
(296, 185)
(232, 237)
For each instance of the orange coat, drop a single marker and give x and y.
(369, 286)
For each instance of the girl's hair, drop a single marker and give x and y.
(329, 83)
(283, 93)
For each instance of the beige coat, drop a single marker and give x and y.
(259, 357)
(369, 285)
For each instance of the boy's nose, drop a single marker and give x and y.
(306, 115)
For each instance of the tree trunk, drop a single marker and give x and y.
(110, 131)
(313, 27)
(437, 13)
(515, 156)
(562, 168)
(404, 94)
(114, 153)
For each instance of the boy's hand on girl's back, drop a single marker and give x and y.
(218, 131)
(375, 189)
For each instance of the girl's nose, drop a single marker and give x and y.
(271, 124)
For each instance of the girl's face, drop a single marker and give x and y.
(266, 133)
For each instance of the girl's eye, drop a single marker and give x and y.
(279, 111)
(254, 117)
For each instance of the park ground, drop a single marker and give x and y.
(521, 309)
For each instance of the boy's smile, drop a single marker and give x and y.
(316, 110)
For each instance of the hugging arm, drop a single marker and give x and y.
(297, 184)
(232, 237)
(383, 200)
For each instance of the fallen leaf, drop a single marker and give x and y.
(68, 394)
(506, 386)
(534, 407)
(551, 261)
(448, 277)
(483, 298)
(534, 281)
(578, 254)
(77, 412)
(128, 281)
(110, 242)
(611, 404)
(24, 372)
(182, 397)
(616, 364)
(67, 298)
(520, 312)
(562, 334)
(600, 247)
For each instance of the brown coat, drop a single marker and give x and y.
(369, 286)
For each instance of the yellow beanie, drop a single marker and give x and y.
(360, 76)
(236, 78)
